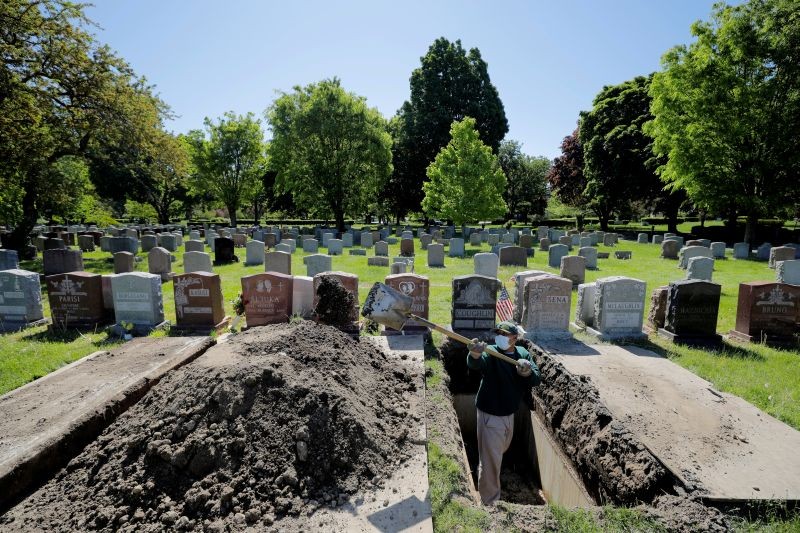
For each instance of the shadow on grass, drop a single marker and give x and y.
(98, 264)
(67, 335)
(726, 349)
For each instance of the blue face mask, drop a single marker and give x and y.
(502, 342)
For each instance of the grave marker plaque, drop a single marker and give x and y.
(224, 251)
(619, 308)
(658, 309)
(547, 303)
(138, 299)
(768, 311)
(584, 308)
(267, 298)
(198, 301)
(20, 299)
(473, 303)
(691, 312)
(76, 299)
(62, 260)
(418, 288)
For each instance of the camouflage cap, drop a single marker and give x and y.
(507, 327)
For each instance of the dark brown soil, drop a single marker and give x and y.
(305, 419)
(613, 462)
(335, 303)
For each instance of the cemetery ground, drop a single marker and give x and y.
(765, 376)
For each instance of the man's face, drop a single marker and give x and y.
(512, 339)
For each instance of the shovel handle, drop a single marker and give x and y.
(460, 338)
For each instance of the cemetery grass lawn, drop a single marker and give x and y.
(767, 377)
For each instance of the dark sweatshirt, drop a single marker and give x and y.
(501, 388)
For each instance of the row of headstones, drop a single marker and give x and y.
(612, 308)
(86, 300)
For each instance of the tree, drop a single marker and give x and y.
(331, 151)
(525, 192)
(229, 159)
(61, 95)
(727, 111)
(566, 178)
(466, 181)
(619, 163)
(450, 84)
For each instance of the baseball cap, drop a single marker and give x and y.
(507, 326)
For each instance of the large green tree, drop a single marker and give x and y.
(566, 178)
(526, 191)
(465, 179)
(619, 162)
(62, 94)
(229, 159)
(449, 85)
(331, 151)
(727, 111)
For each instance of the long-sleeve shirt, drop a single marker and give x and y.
(501, 388)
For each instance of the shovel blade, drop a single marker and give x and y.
(387, 306)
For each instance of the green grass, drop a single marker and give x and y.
(32, 353)
(742, 370)
(445, 480)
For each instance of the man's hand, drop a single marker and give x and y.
(524, 368)
(476, 348)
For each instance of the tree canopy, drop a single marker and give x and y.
(465, 180)
(62, 94)
(619, 164)
(727, 111)
(229, 159)
(330, 150)
(566, 178)
(526, 191)
(449, 85)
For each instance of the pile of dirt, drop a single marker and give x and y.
(611, 458)
(334, 302)
(303, 417)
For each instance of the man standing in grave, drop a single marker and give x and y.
(502, 388)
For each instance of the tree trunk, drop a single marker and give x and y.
(256, 210)
(672, 220)
(750, 229)
(579, 222)
(18, 239)
(339, 216)
(232, 214)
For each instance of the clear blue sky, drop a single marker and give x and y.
(548, 59)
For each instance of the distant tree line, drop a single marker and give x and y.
(83, 137)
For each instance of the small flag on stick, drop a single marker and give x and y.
(504, 307)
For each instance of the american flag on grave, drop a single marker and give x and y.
(504, 307)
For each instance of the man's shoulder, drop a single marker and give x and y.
(523, 352)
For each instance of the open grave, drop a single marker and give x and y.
(623, 426)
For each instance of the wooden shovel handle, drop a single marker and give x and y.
(461, 338)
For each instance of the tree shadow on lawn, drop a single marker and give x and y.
(725, 349)
(98, 264)
(66, 335)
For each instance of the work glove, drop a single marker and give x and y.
(524, 368)
(476, 348)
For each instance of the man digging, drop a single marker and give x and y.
(499, 395)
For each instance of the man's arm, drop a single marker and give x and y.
(477, 358)
(536, 376)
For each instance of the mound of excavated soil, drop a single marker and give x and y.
(302, 417)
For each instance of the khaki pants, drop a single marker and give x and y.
(494, 438)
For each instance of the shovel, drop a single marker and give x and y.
(392, 308)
